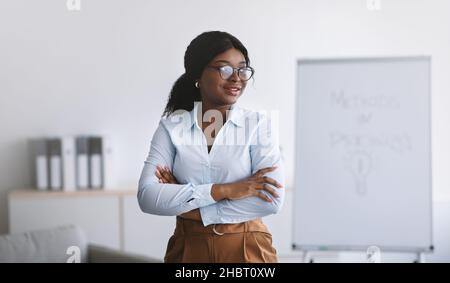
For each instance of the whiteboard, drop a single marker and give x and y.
(363, 154)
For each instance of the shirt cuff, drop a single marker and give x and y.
(203, 195)
(210, 214)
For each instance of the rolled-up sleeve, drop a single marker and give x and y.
(264, 152)
(168, 199)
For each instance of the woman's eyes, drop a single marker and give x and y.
(228, 66)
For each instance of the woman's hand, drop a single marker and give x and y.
(164, 175)
(251, 186)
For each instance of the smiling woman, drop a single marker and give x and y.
(219, 190)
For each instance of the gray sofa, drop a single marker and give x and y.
(61, 244)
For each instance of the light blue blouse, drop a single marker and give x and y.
(244, 144)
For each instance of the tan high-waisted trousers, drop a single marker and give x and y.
(244, 242)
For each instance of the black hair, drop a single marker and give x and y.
(199, 53)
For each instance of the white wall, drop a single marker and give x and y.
(109, 67)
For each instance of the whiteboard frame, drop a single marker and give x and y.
(343, 248)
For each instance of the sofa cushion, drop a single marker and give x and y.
(50, 245)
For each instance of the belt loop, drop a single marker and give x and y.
(246, 226)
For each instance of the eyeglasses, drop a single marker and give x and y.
(244, 73)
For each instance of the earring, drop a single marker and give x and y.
(197, 85)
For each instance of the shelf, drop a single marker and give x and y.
(33, 193)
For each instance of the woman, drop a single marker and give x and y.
(212, 164)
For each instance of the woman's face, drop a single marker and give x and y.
(214, 89)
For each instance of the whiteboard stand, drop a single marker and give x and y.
(421, 255)
(308, 256)
(305, 257)
(420, 258)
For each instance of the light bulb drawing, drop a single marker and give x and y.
(359, 164)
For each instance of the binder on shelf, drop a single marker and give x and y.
(69, 168)
(109, 164)
(38, 156)
(55, 163)
(95, 163)
(82, 164)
